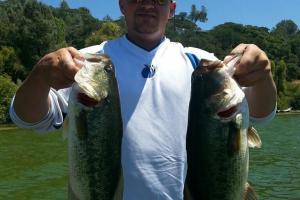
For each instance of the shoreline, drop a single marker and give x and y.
(4, 127)
(291, 112)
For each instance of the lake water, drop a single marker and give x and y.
(34, 167)
(275, 168)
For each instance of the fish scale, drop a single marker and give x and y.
(217, 147)
(94, 133)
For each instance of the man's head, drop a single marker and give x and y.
(147, 19)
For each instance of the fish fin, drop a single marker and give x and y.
(65, 128)
(249, 193)
(253, 138)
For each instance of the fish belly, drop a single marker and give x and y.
(94, 150)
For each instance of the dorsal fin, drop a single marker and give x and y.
(253, 138)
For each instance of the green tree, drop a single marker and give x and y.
(293, 70)
(198, 15)
(280, 75)
(10, 64)
(286, 27)
(79, 24)
(227, 36)
(39, 33)
(109, 30)
(273, 68)
(7, 90)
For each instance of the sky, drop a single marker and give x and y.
(262, 13)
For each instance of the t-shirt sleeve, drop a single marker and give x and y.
(200, 54)
(263, 120)
(53, 119)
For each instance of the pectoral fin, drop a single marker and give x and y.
(249, 193)
(253, 138)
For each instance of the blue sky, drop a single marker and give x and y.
(266, 13)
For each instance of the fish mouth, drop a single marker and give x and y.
(229, 107)
(228, 113)
(88, 101)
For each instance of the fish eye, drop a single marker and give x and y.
(108, 68)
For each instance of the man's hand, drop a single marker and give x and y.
(59, 68)
(254, 66)
(254, 72)
(56, 70)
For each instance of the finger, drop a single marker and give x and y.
(75, 53)
(251, 60)
(228, 58)
(246, 64)
(252, 78)
(240, 49)
(79, 63)
(69, 67)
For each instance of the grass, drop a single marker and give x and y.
(4, 127)
(32, 166)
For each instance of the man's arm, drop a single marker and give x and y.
(262, 98)
(56, 70)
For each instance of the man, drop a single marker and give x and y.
(154, 85)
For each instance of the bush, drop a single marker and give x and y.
(7, 90)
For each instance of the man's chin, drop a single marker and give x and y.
(146, 30)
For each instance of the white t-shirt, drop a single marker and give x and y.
(154, 113)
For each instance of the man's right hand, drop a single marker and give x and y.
(58, 68)
(55, 70)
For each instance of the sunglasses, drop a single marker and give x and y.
(159, 2)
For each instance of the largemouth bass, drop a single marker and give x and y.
(94, 131)
(218, 135)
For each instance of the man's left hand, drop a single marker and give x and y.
(254, 66)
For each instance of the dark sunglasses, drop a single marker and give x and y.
(159, 2)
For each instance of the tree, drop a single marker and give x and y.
(10, 64)
(280, 76)
(39, 33)
(226, 36)
(182, 15)
(198, 15)
(293, 70)
(79, 24)
(109, 30)
(273, 69)
(286, 27)
(7, 90)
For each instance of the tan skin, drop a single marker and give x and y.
(146, 24)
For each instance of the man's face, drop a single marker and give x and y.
(146, 16)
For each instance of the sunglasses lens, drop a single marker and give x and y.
(160, 2)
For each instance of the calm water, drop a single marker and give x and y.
(34, 167)
(275, 168)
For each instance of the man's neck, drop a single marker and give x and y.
(145, 44)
